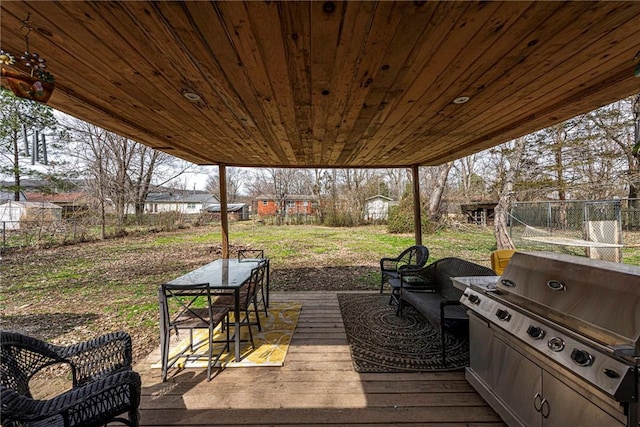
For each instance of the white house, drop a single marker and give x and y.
(13, 214)
(376, 208)
(182, 202)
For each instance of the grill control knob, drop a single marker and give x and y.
(611, 373)
(474, 299)
(535, 332)
(556, 344)
(503, 315)
(581, 357)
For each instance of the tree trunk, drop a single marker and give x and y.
(435, 199)
(16, 169)
(503, 240)
(634, 185)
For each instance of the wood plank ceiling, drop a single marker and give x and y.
(329, 84)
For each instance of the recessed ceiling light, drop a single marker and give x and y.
(191, 96)
(461, 100)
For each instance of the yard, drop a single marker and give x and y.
(72, 293)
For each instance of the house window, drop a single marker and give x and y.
(191, 205)
(265, 202)
(305, 203)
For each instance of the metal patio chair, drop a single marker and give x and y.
(259, 254)
(247, 301)
(104, 388)
(190, 307)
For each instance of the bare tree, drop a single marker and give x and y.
(397, 180)
(120, 170)
(322, 186)
(436, 191)
(472, 185)
(619, 123)
(357, 185)
(236, 180)
(511, 155)
(281, 183)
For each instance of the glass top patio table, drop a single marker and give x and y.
(222, 274)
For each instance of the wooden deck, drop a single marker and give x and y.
(316, 386)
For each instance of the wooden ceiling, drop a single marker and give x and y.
(329, 84)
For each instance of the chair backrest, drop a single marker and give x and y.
(255, 282)
(251, 253)
(500, 259)
(413, 257)
(21, 357)
(184, 304)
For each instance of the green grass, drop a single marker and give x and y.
(113, 284)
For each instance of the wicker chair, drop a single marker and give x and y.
(412, 258)
(103, 385)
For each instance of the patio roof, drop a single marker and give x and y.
(329, 84)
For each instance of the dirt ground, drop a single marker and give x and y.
(55, 294)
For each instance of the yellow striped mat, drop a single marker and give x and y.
(271, 344)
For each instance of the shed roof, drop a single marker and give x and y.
(180, 198)
(38, 205)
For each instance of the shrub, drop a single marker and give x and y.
(401, 218)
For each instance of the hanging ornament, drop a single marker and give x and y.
(39, 84)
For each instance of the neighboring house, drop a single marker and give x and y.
(15, 215)
(293, 205)
(237, 211)
(376, 208)
(182, 202)
(71, 203)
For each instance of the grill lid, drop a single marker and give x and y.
(594, 298)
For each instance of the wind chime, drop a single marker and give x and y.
(36, 148)
(30, 80)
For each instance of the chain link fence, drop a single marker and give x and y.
(48, 233)
(596, 229)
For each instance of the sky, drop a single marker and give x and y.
(196, 179)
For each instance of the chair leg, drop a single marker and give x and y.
(257, 313)
(250, 331)
(210, 353)
(264, 301)
(442, 344)
(399, 308)
(165, 354)
(395, 296)
(134, 417)
(442, 341)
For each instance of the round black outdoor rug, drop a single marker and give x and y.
(380, 341)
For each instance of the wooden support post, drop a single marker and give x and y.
(417, 215)
(224, 219)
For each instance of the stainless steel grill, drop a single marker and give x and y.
(556, 340)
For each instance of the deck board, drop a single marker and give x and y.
(316, 386)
